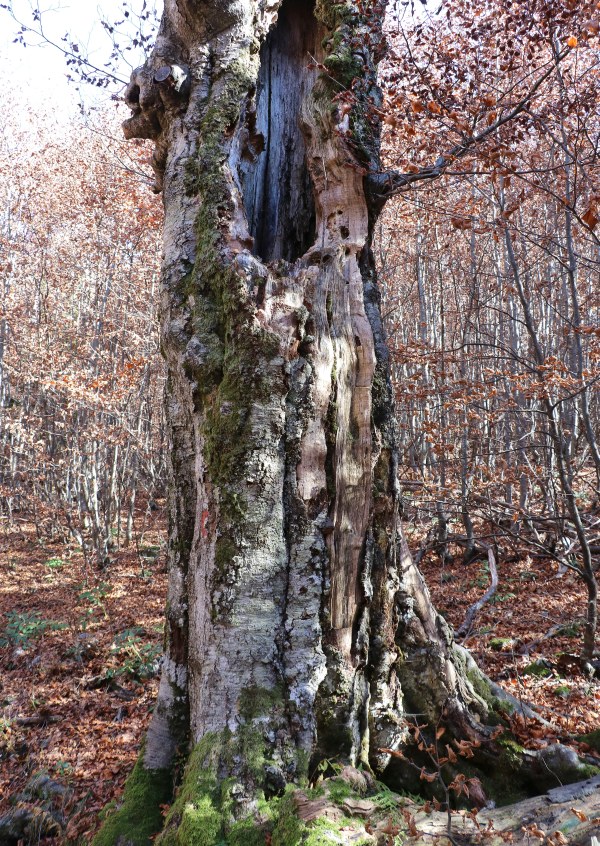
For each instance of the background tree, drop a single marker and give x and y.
(80, 412)
(501, 424)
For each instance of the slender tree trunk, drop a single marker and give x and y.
(296, 621)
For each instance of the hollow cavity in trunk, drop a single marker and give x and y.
(277, 189)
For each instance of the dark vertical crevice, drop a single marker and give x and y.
(277, 190)
(263, 224)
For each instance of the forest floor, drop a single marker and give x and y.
(528, 638)
(78, 657)
(79, 650)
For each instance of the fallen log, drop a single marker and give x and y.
(564, 815)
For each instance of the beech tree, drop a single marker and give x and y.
(80, 425)
(298, 628)
(496, 272)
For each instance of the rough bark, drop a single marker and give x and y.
(297, 625)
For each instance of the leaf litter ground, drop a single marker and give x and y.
(78, 650)
(528, 638)
(78, 653)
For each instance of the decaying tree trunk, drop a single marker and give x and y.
(298, 628)
(563, 814)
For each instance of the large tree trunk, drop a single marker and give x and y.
(298, 628)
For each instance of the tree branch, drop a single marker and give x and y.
(381, 186)
(77, 59)
(464, 629)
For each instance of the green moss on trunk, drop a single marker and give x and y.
(207, 810)
(231, 370)
(138, 817)
(195, 816)
(332, 14)
(203, 812)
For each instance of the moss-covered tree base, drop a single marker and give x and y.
(350, 808)
(138, 816)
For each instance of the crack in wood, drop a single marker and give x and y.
(277, 189)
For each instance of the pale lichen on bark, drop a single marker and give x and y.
(288, 571)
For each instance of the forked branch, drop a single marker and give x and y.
(381, 186)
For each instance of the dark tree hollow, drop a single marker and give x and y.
(277, 189)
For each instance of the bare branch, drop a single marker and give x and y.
(382, 186)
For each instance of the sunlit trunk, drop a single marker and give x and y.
(295, 614)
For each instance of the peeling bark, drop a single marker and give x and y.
(294, 606)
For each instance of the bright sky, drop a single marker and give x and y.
(36, 74)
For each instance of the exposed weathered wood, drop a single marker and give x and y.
(295, 610)
(535, 820)
(271, 158)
